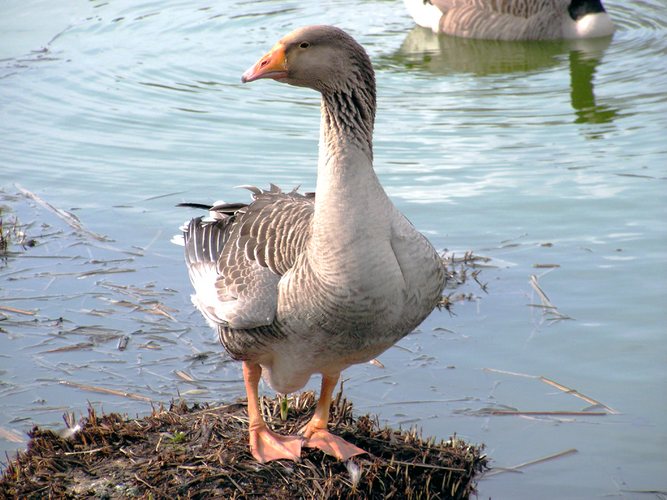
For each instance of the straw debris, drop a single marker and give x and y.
(458, 271)
(202, 451)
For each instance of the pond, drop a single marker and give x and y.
(547, 158)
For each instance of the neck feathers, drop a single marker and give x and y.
(348, 113)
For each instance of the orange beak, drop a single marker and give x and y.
(271, 65)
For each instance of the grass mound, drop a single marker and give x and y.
(202, 451)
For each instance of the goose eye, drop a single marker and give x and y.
(304, 45)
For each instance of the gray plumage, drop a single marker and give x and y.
(305, 284)
(513, 19)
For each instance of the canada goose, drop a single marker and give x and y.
(513, 19)
(302, 284)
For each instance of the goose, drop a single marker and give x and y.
(513, 19)
(303, 284)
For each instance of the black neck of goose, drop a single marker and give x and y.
(349, 116)
(580, 8)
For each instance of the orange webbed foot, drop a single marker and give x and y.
(329, 443)
(266, 445)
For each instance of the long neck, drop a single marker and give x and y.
(348, 118)
(350, 203)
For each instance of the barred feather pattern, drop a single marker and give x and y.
(357, 116)
(236, 260)
(506, 19)
(271, 231)
(503, 19)
(516, 8)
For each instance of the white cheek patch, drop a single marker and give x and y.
(590, 26)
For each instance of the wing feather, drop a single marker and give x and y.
(236, 260)
(516, 8)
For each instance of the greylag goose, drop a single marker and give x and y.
(513, 19)
(296, 284)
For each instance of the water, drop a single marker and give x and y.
(542, 154)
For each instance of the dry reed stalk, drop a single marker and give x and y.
(560, 387)
(104, 390)
(515, 468)
(17, 310)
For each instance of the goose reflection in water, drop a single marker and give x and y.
(583, 64)
(442, 55)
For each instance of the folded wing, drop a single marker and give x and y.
(237, 257)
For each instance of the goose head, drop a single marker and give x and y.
(324, 58)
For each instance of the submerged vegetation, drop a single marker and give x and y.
(11, 234)
(459, 270)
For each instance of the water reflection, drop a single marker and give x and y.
(443, 55)
(582, 70)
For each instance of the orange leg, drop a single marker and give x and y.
(265, 444)
(315, 431)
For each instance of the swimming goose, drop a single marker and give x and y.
(513, 19)
(298, 284)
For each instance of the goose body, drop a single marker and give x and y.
(513, 19)
(297, 284)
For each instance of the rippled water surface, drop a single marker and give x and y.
(548, 158)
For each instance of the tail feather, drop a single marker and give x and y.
(204, 240)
